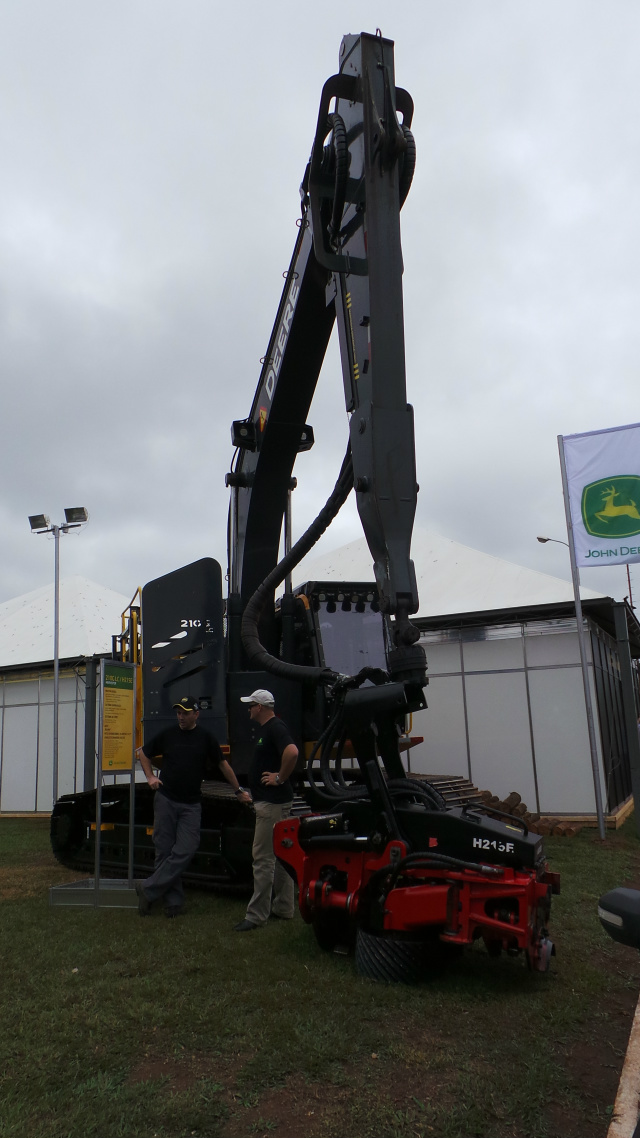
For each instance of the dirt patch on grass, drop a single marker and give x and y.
(315, 1109)
(178, 1074)
(32, 879)
(593, 1062)
(395, 1092)
(293, 1110)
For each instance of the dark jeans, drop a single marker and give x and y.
(176, 836)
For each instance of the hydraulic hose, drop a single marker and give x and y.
(341, 153)
(336, 790)
(417, 788)
(427, 860)
(337, 765)
(408, 165)
(257, 654)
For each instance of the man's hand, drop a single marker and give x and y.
(288, 761)
(152, 779)
(227, 771)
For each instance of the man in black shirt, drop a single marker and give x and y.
(185, 755)
(273, 763)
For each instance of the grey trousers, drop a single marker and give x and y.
(176, 837)
(268, 875)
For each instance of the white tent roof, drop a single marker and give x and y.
(89, 616)
(451, 577)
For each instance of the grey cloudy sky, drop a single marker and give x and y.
(151, 157)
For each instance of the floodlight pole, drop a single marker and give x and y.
(55, 530)
(75, 517)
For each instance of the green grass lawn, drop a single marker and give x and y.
(113, 1025)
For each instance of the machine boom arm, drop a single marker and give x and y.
(347, 263)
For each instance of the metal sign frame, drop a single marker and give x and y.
(108, 893)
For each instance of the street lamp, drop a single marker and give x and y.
(75, 516)
(556, 539)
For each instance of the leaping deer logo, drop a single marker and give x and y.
(611, 511)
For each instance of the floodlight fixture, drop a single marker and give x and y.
(39, 522)
(76, 515)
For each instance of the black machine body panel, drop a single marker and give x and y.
(471, 836)
(183, 646)
(456, 832)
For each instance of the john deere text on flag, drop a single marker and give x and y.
(603, 478)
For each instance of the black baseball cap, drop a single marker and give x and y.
(187, 703)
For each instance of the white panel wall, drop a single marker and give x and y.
(562, 648)
(45, 760)
(20, 692)
(443, 658)
(444, 750)
(499, 734)
(26, 741)
(488, 655)
(67, 747)
(565, 778)
(19, 752)
(508, 748)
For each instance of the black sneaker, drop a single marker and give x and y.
(244, 926)
(173, 911)
(144, 904)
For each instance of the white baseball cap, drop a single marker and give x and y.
(261, 696)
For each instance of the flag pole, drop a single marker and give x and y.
(593, 747)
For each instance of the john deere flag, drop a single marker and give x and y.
(603, 473)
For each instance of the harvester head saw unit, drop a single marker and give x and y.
(408, 901)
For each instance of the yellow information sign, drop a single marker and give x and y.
(117, 718)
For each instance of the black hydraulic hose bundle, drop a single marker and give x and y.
(408, 165)
(416, 788)
(256, 652)
(336, 789)
(341, 163)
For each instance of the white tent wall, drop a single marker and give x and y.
(89, 614)
(507, 710)
(26, 738)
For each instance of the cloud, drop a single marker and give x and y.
(152, 158)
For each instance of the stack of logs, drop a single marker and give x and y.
(514, 805)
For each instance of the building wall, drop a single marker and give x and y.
(26, 738)
(506, 709)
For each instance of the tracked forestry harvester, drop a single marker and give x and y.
(383, 861)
